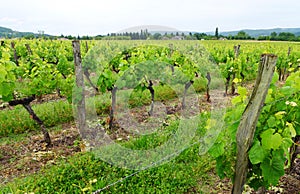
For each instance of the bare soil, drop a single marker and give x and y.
(28, 156)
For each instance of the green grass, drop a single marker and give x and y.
(18, 121)
(177, 176)
(76, 174)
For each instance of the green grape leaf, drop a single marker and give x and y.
(280, 114)
(3, 73)
(6, 90)
(286, 144)
(256, 153)
(273, 168)
(267, 108)
(221, 166)
(6, 56)
(265, 138)
(270, 141)
(217, 150)
(276, 141)
(236, 100)
(275, 78)
(291, 129)
(232, 130)
(287, 90)
(236, 80)
(271, 122)
(242, 91)
(9, 65)
(269, 97)
(293, 80)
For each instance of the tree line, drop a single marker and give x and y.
(145, 35)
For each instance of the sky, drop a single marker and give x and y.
(94, 17)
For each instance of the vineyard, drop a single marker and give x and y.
(149, 116)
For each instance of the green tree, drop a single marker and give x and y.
(273, 34)
(286, 36)
(200, 36)
(242, 35)
(157, 36)
(217, 33)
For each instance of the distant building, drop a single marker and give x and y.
(62, 39)
(177, 38)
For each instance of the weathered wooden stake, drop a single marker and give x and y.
(233, 84)
(227, 85)
(285, 73)
(246, 129)
(236, 55)
(113, 107)
(81, 112)
(28, 49)
(289, 51)
(15, 53)
(87, 73)
(236, 51)
(86, 47)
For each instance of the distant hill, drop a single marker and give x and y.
(262, 32)
(9, 33)
(5, 30)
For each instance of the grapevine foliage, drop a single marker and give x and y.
(113, 70)
(278, 124)
(43, 67)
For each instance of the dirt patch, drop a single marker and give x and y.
(128, 123)
(28, 156)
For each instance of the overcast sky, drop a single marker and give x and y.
(93, 17)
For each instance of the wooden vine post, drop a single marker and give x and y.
(15, 53)
(87, 73)
(285, 72)
(80, 104)
(236, 55)
(228, 78)
(247, 126)
(113, 107)
(28, 49)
